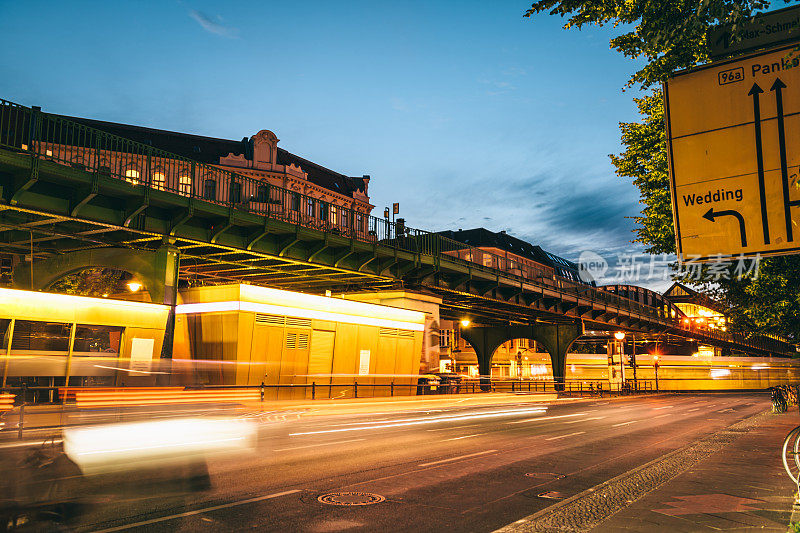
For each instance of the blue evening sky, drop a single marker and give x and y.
(466, 113)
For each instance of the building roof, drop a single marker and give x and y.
(210, 149)
(680, 293)
(482, 237)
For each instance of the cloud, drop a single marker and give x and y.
(564, 212)
(212, 26)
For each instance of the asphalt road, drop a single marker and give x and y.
(453, 468)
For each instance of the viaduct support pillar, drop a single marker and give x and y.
(555, 338)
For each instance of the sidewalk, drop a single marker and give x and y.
(742, 487)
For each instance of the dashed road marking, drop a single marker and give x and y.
(568, 435)
(625, 423)
(464, 437)
(539, 419)
(317, 445)
(451, 459)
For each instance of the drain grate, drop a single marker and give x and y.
(350, 498)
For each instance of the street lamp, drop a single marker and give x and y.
(465, 322)
(134, 286)
(620, 336)
(655, 367)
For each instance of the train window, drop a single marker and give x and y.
(97, 340)
(40, 336)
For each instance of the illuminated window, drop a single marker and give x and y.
(42, 337)
(310, 207)
(333, 215)
(185, 185)
(487, 260)
(346, 217)
(159, 179)
(48, 153)
(445, 338)
(101, 341)
(132, 176)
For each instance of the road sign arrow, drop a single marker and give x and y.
(778, 87)
(712, 215)
(755, 90)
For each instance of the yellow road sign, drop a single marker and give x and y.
(733, 131)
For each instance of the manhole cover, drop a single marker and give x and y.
(551, 495)
(350, 498)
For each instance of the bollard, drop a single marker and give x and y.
(262, 391)
(313, 390)
(355, 389)
(391, 388)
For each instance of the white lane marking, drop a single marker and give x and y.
(695, 409)
(544, 418)
(568, 435)
(624, 423)
(198, 511)
(665, 407)
(464, 437)
(454, 427)
(26, 444)
(729, 410)
(662, 416)
(317, 445)
(457, 458)
(584, 420)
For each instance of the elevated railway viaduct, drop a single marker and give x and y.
(67, 213)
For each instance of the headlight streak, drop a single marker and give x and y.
(421, 421)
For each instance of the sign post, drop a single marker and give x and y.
(734, 172)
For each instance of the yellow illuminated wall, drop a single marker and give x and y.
(242, 334)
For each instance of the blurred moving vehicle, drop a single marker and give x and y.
(49, 485)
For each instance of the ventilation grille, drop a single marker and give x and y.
(406, 333)
(277, 320)
(297, 341)
(301, 322)
(272, 320)
(390, 332)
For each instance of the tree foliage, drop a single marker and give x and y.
(90, 282)
(671, 35)
(645, 162)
